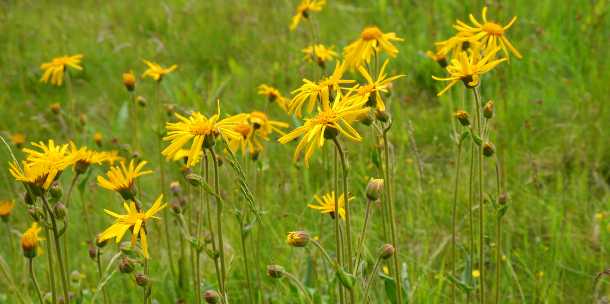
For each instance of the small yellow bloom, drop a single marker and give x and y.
(55, 69)
(129, 80)
(540, 274)
(87, 157)
(274, 95)
(82, 275)
(370, 92)
(409, 160)
(30, 241)
(503, 257)
(55, 108)
(97, 137)
(316, 238)
(438, 57)
(57, 157)
(328, 205)
(438, 190)
(122, 182)
(455, 44)
(431, 181)
(112, 156)
(135, 221)
(476, 273)
(6, 207)
(183, 154)
(18, 139)
(600, 215)
(156, 71)
(386, 270)
(303, 11)
(372, 40)
(321, 53)
(260, 121)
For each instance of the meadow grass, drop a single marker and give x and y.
(550, 132)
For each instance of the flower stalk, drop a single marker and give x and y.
(338, 232)
(391, 207)
(372, 276)
(34, 280)
(498, 232)
(56, 236)
(300, 286)
(101, 273)
(477, 99)
(219, 210)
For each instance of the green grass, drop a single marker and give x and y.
(550, 131)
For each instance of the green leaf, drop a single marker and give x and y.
(83, 182)
(478, 141)
(148, 290)
(464, 136)
(317, 299)
(375, 158)
(390, 289)
(460, 284)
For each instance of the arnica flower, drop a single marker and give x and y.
(328, 205)
(369, 93)
(321, 53)
(468, 71)
(202, 130)
(248, 140)
(135, 221)
(455, 44)
(38, 176)
(97, 137)
(29, 242)
(303, 11)
(372, 39)
(325, 125)
(55, 69)
(491, 32)
(261, 122)
(323, 90)
(298, 238)
(123, 183)
(58, 157)
(274, 95)
(6, 207)
(129, 80)
(183, 154)
(86, 159)
(112, 156)
(438, 57)
(18, 139)
(56, 108)
(156, 71)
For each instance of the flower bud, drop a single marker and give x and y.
(29, 199)
(503, 199)
(82, 119)
(275, 271)
(130, 81)
(81, 166)
(207, 237)
(211, 297)
(141, 101)
(135, 154)
(36, 214)
(55, 108)
(126, 248)
(126, 265)
(488, 110)
(386, 251)
(170, 110)
(48, 298)
(374, 189)
(176, 209)
(330, 133)
(219, 160)
(382, 116)
(60, 211)
(194, 179)
(489, 149)
(142, 280)
(463, 117)
(175, 188)
(365, 119)
(389, 88)
(254, 154)
(93, 253)
(75, 276)
(56, 190)
(97, 137)
(29, 244)
(101, 244)
(298, 238)
(62, 301)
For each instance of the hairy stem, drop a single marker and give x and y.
(477, 98)
(300, 286)
(219, 208)
(361, 241)
(498, 232)
(62, 269)
(33, 277)
(371, 277)
(101, 272)
(338, 232)
(454, 217)
(210, 223)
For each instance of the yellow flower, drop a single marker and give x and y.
(386, 270)
(600, 215)
(38, 175)
(55, 69)
(248, 138)
(129, 80)
(261, 122)
(468, 71)
(33, 231)
(326, 125)
(183, 154)
(490, 32)
(455, 44)
(123, 184)
(97, 137)
(18, 139)
(135, 221)
(476, 273)
(328, 205)
(202, 130)
(303, 11)
(540, 274)
(86, 158)
(322, 54)
(55, 108)
(156, 71)
(372, 39)
(438, 57)
(58, 157)
(29, 242)
(373, 88)
(274, 95)
(112, 156)
(322, 90)
(6, 207)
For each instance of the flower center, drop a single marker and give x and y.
(259, 116)
(371, 33)
(324, 117)
(494, 29)
(243, 129)
(369, 88)
(199, 128)
(59, 61)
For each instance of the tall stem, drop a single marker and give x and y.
(470, 213)
(454, 217)
(65, 236)
(135, 120)
(62, 269)
(361, 241)
(50, 260)
(300, 286)
(33, 277)
(498, 232)
(160, 124)
(381, 198)
(219, 208)
(210, 223)
(82, 199)
(338, 233)
(245, 255)
(326, 256)
(101, 273)
(12, 244)
(371, 277)
(313, 46)
(477, 99)
(71, 102)
(70, 189)
(348, 226)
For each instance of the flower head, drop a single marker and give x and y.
(374, 189)
(156, 71)
(250, 138)
(298, 238)
(320, 53)
(123, 183)
(322, 90)
(463, 117)
(6, 207)
(129, 80)
(328, 205)
(260, 121)
(134, 220)
(372, 40)
(97, 137)
(369, 93)
(112, 156)
(56, 108)
(58, 157)
(30, 241)
(303, 11)
(86, 159)
(274, 95)
(468, 71)
(18, 139)
(38, 176)
(490, 32)
(202, 130)
(55, 69)
(438, 57)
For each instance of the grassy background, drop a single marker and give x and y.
(550, 130)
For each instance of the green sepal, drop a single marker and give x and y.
(347, 280)
(464, 135)
(478, 141)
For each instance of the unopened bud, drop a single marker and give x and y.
(35, 214)
(142, 280)
(488, 110)
(93, 253)
(29, 244)
(463, 117)
(382, 116)
(60, 211)
(75, 276)
(489, 149)
(219, 160)
(29, 199)
(374, 189)
(99, 243)
(389, 88)
(175, 188)
(126, 147)
(82, 119)
(170, 110)
(298, 238)
(62, 301)
(194, 179)
(386, 251)
(130, 81)
(503, 199)
(275, 271)
(126, 265)
(55, 108)
(56, 190)
(48, 298)
(98, 139)
(255, 153)
(366, 119)
(126, 248)
(211, 297)
(176, 209)
(141, 101)
(207, 237)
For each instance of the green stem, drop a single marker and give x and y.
(454, 217)
(161, 162)
(300, 286)
(477, 99)
(361, 241)
(135, 121)
(255, 249)
(381, 198)
(498, 232)
(210, 223)
(70, 189)
(101, 272)
(82, 198)
(338, 233)
(62, 269)
(348, 226)
(322, 250)
(313, 45)
(33, 277)
(372, 276)
(71, 102)
(470, 213)
(245, 255)
(50, 260)
(12, 245)
(219, 208)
